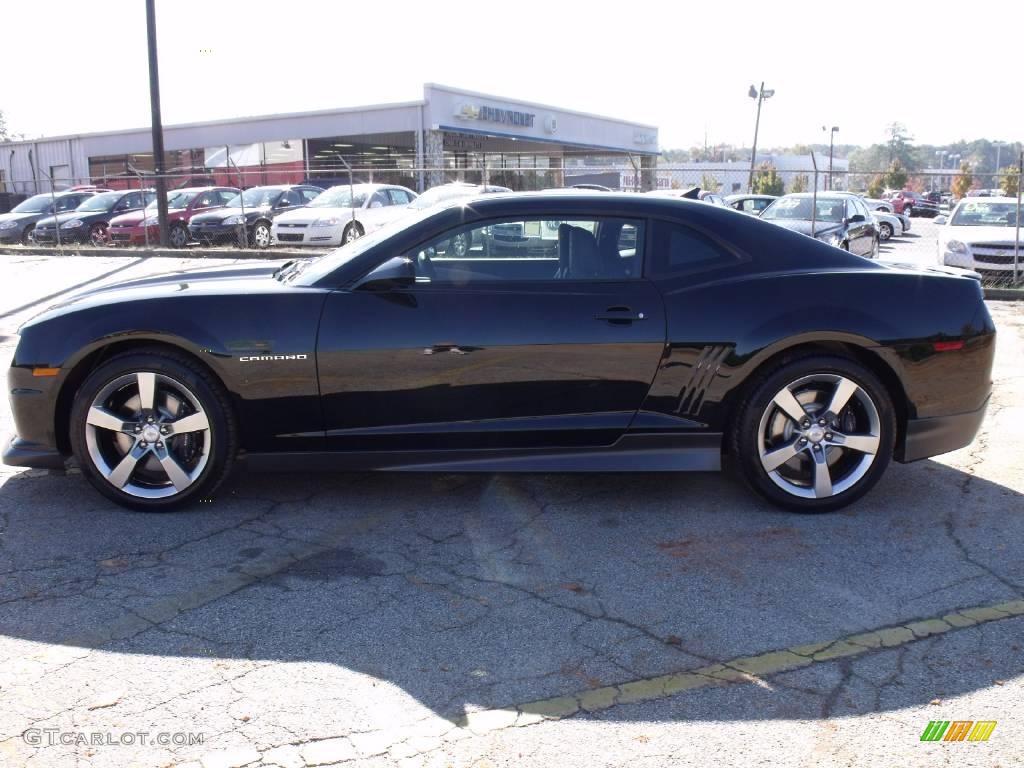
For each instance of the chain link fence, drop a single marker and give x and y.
(919, 223)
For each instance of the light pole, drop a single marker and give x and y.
(157, 124)
(831, 144)
(941, 154)
(953, 160)
(995, 176)
(761, 95)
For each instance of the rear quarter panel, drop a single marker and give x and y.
(736, 324)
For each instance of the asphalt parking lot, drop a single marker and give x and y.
(505, 620)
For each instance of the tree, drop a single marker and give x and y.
(767, 180)
(1010, 182)
(963, 181)
(3, 128)
(899, 143)
(877, 186)
(896, 177)
(710, 183)
(800, 183)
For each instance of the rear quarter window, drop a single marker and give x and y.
(678, 249)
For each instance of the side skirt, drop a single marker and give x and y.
(700, 452)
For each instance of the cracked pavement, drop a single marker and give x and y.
(527, 620)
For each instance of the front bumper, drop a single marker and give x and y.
(66, 235)
(215, 231)
(21, 453)
(307, 235)
(133, 235)
(11, 236)
(940, 434)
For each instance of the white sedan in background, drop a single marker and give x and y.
(890, 225)
(980, 234)
(342, 214)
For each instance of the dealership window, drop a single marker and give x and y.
(517, 249)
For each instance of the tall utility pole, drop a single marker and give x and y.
(158, 127)
(995, 176)
(760, 96)
(831, 145)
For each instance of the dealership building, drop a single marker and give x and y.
(448, 135)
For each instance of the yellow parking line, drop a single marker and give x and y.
(747, 669)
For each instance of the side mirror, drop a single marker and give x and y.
(856, 218)
(284, 204)
(940, 219)
(398, 272)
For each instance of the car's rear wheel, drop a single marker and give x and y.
(178, 236)
(814, 434)
(153, 430)
(352, 232)
(884, 230)
(261, 235)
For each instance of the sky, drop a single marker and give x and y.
(684, 66)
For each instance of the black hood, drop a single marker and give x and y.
(223, 213)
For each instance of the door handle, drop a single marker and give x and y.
(620, 315)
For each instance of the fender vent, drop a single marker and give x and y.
(702, 374)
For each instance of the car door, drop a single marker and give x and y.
(555, 346)
(861, 233)
(289, 200)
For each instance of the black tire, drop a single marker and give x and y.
(218, 453)
(909, 210)
(746, 437)
(98, 235)
(26, 235)
(884, 231)
(261, 236)
(352, 231)
(178, 236)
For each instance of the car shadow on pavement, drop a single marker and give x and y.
(487, 591)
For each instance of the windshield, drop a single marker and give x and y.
(340, 197)
(329, 262)
(177, 200)
(799, 208)
(438, 194)
(257, 197)
(985, 214)
(101, 202)
(35, 204)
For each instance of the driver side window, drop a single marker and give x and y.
(512, 250)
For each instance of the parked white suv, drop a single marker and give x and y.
(342, 214)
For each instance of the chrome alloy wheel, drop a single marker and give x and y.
(819, 436)
(148, 435)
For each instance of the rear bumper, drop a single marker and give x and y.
(941, 434)
(21, 453)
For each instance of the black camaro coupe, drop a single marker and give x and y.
(636, 333)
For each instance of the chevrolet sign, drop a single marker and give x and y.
(495, 115)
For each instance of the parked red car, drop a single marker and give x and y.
(913, 204)
(182, 204)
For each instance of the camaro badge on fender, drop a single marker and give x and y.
(260, 358)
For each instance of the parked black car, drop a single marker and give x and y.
(715, 333)
(18, 225)
(89, 222)
(256, 208)
(841, 219)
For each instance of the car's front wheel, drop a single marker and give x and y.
(153, 430)
(98, 235)
(178, 236)
(352, 232)
(261, 235)
(814, 434)
(909, 210)
(28, 235)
